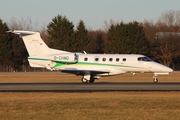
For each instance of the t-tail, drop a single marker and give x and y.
(40, 55)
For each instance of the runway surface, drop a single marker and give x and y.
(80, 87)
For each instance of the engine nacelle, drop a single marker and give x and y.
(65, 58)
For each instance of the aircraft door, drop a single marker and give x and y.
(76, 57)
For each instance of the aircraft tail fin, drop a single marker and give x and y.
(34, 44)
(38, 51)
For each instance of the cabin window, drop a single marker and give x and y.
(104, 59)
(124, 59)
(85, 59)
(96, 59)
(117, 59)
(110, 59)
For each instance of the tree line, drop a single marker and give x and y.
(119, 38)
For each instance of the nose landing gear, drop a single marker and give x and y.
(155, 79)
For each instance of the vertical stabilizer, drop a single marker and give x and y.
(38, 51)
(33, 42)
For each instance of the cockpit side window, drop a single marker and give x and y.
(144, 59)
(140, 58)
(148, 59)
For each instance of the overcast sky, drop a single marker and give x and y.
(92, 12)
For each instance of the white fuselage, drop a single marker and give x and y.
(108, 64)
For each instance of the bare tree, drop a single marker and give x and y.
(150, 30)
(171, 19)
(166, 49)
(44, 35)
(107, 24)
(98, 38)
(22, 24)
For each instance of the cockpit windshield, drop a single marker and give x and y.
(144, 59)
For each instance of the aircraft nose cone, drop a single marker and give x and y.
(170, 70)
(167, 69)
(156, 67)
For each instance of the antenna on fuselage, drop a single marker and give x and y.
(84, 52)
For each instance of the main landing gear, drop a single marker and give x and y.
(86, 80)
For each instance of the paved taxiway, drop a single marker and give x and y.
(80, 87)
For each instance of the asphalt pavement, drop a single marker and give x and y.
(89, 87)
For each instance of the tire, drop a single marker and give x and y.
(155, 80)
(91, 81)
(84, 80)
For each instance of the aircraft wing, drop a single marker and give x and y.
(92, 72)
(85, 72)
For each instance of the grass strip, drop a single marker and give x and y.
(90, 106)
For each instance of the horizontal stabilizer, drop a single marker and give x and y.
(22, 33)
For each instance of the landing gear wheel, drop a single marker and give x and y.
(155, 80)
(84, 80)
(91, 80)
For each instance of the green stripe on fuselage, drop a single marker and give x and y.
(58, 64)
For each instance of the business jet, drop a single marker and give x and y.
(90, 66)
